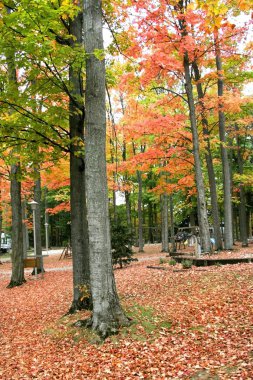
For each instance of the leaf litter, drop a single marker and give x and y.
(186, 325)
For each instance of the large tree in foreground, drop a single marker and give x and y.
(107, 312)
(79, 228)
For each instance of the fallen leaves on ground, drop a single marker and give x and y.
(193, 324)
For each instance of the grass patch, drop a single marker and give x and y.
(145, 324)
(197, 328)
(64, 328)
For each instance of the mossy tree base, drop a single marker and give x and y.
(104, 328)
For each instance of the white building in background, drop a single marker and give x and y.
(5, 242)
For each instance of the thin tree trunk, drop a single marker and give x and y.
(47, 229)
(235, 222)
(17, 256)
(128, 210)
(202, 211)
(25, 229)
(79, 227)
(228, 220)
(250, 225)
(114, 156)
(150, 223)
(140, 213)
(164, 209)
(209, 162)
(172, 229)
(242, 203)
(37, 198)
(114, 201)
(124, 158)
(192, 219)
(107, 312)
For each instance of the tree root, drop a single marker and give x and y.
(13, 284)
(104, 328)
(39, 271)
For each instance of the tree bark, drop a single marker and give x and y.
(203, 220)
(25, 229)
(128, 210)
(209, 162)
(201, 200)
(172, 229)
(1, 215)
(107, 312)
(164, 207)
(150, 223)
(242, 204)
(17, 256)
(79, 227)
(17, 275)
(37, 198)
(228, 220)
(140, 213)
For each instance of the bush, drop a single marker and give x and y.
(187, 264)
(121, 240)
(172, 262)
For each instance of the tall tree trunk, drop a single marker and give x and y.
(128, 210)
(209, 162)
(25, 229)
(114, 201)
(150, 222)
(242, 204)
(79, 227)
(202, 211)
(107, 312)
(1, 214)
(235, 222)
(114, 156)
(140, 212)
(17, 257)
(124, 158)
(250, 225)
(164, 212)
(228, 220)
(172, 229)
(47, 229)
(37, 198)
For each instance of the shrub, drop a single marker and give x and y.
(172, 262)
(187, 264)
(121, 240)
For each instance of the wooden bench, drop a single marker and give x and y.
(31, 262)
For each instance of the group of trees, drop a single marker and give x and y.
(185, 120)
(179, 127)
(43, 114)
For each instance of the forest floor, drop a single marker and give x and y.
(187, 324)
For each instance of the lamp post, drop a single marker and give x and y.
(34, 205)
